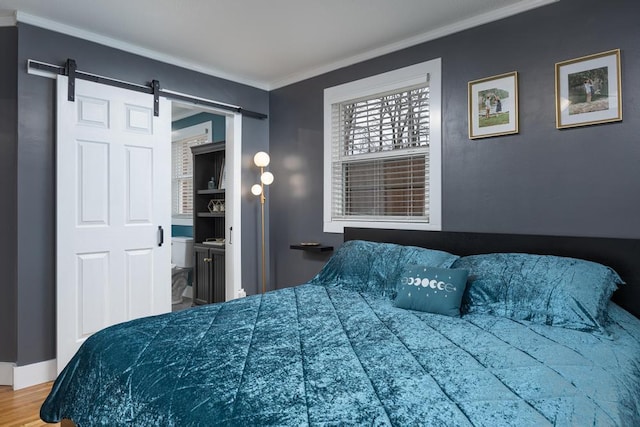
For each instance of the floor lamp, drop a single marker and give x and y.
(261, 159)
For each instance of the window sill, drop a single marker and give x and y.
(338, 226)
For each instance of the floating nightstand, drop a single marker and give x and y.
(311, 247)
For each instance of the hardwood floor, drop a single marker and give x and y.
(22, 407)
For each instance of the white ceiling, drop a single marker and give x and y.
(266, 44)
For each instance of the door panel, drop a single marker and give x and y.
(92, 112)
(139, 273)
(93, 270)
(113, 192)
(201, 276)
(93, 183)
(139, 119)
(217, 275)
(139, 185)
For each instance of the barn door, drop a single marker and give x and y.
(113, 208)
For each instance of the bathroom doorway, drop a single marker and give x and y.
(196, 125)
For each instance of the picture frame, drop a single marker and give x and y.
(493, 106)
(589, 90)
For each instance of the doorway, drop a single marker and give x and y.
(195, 125)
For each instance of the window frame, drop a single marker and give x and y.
(394, 80)
(177, 136)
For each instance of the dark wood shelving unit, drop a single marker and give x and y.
(209, 273)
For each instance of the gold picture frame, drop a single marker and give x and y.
(493, 106)
(589, 90)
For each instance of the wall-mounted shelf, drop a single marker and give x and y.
(312, 248)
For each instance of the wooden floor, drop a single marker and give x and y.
(22, 407)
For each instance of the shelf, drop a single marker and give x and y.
(204, 245)
(312, 248)
(210, 215)
(211, 191)
(212, 245)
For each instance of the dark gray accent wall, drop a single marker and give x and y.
(254, 131)
(578, 182)
(34, 284)
(8, 189)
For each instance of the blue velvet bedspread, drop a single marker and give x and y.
(316, 355)
(335, 351)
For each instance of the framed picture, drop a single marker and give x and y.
(588, 90)
(493, 106)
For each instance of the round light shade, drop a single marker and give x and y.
(266, 178)
(261, 159)
(256, 189)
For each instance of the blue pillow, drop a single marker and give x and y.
(543, 289)
(431, 289)
(374, 267)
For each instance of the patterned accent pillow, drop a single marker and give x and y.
(542, 289)
(431, 289)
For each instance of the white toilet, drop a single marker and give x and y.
(181, 265)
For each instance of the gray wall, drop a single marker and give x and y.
(34, 284)
(583, 181)
(8, 189)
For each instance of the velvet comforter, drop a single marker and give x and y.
(325, 354)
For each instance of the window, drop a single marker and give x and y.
(382, 145)
(182, 168)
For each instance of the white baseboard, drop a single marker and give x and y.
(28, 375)
(6, 373)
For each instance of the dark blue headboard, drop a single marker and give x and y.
(623, 255)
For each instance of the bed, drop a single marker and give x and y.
(506, 336)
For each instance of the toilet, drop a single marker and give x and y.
(181, 265)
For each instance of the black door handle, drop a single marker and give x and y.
(160, 235)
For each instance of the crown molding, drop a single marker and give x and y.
(131, 48)
(475, 21)
(8, 18)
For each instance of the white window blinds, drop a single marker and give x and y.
(182, 173)
(380, 156)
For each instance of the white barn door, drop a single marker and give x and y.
(113, 199)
